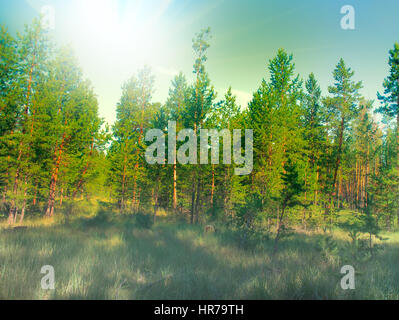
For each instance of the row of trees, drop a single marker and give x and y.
(315, 154)
(50, 131)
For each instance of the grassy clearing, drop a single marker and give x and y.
(111, 260)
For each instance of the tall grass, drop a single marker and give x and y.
(102, 258)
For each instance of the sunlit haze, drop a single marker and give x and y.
(113, 39)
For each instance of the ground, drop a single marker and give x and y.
(177, 261)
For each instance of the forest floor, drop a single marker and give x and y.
(180, 261)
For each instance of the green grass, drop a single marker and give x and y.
(114, 260)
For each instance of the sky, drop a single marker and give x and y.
(112, 39)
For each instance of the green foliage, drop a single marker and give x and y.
(135, 112)
(247, 212)
(274, 115)
(100, 220)
(361, 228)
(328, 247)
(315, 157)
(390, 99)
(144, 221)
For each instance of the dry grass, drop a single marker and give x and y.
(120, 261)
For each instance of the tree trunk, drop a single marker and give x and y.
(337, 163)
(156, 198)
(192, 201)
(13, 206)
(122, 200)
(61, 196)
(21, 219)
(280, 225)
(26, 112)
(213, 184)
(226, 191)
(137, 207)
(35, 195)
(397, 146)
(317, 187)
(136, 193)
(197, 201)
(174, 187)
(81, 180)
(54, 178)
(15, 216)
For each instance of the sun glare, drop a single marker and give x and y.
(117, 31)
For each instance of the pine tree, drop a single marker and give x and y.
(33, 52)
(289, 197)
(9, 108)
(199, 102)
(343, 107)
(134, 111)
(316, 143)
(385, 181)
(390, 99)
(366, 140)
(275, 114)
(176, 104)
(225, 114)
(75, 122)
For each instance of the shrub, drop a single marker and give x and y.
(144, 221)
(100, 220)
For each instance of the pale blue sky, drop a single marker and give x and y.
(112, 39)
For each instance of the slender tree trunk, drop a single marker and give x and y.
(122, 200)
(226, 190)
(338, 161)
(134, 196)
(317, 187)
(358, 187)
(15, 216)
(156, 198)
(192, 200)
(4, 194)
(397, 146)
(336, 168)
(306, 193)
(339, 190)
(277, 217)
(21, 219)
(195, 176)
(35, 195)
(81, 180)
(61, 196)
(138, 200)
(280, 225)
(388, 222)
(54, 178)
(6, 179)
(136, 193)
(13, 206)
(213, 184)
(197, 201)
(174, 186)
